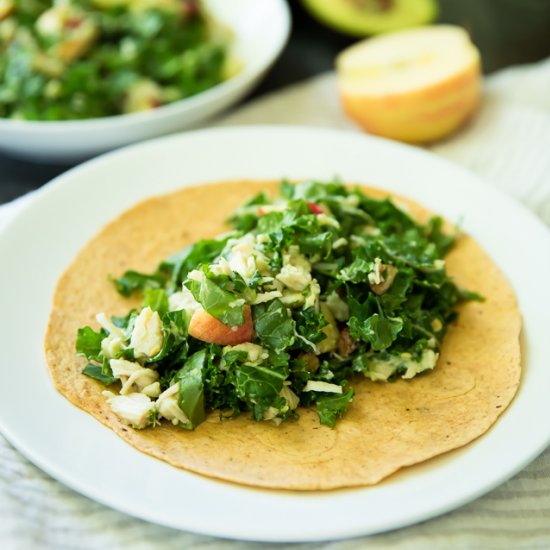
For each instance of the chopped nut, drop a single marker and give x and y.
(311, 361)
(388, 275)
(346, 344)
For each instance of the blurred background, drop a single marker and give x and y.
(507, 32)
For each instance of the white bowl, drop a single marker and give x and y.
(260, 30)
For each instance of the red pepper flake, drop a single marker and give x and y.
(261, 211)
(315, 208)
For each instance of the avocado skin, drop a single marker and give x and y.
(348, 17)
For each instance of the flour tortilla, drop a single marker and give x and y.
(388, 426)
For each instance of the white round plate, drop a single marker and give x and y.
(77, 450)
(259, 33)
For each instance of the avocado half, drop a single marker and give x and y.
(366, 17)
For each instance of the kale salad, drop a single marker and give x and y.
(307, 292)
(78, 59)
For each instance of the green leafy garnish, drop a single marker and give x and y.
(181, 263)
(96, 372)
(156, 299)
(191, 389)
(88, 342)
(274, 327)
(133, 281)
(218, 302)
(339, 285)
(258, 387)
(332, 407)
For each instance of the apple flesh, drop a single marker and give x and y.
(415, 86)
(207, 328)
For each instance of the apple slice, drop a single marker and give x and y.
(207, 328)
(416, 85)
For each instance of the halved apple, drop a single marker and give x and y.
(416, 85)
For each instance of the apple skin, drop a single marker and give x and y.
(207, 328)
(419, 116)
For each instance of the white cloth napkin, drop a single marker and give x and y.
(508, 143)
